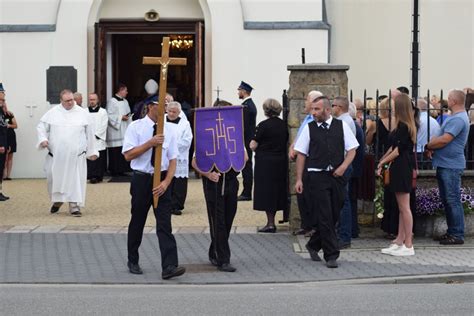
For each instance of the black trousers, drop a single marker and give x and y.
(327, 199)
(247, 173)
(179, 190)
(117, 163)
(3, 158)
(142, 198)
(308, 221)
(221, 211)
(95, 169)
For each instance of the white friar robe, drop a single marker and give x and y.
(70, 141)
(116, 108)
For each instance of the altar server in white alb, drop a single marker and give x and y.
(120, 115)
(179, 186)
(99, 118)
(66, 132)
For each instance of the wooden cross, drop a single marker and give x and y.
(164, 61)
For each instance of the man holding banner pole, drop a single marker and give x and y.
(220, 156)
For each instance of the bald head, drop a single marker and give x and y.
(78, 98)
(394, 93)
(422, 104)
(312, 95)
(457, 97)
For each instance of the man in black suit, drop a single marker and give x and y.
(250, 118)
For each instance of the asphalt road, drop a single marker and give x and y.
(275, 299)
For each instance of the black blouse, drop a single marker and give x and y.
(271, 136)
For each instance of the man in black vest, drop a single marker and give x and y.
(250, 119)
(326, 147)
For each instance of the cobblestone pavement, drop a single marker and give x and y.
(101, 259)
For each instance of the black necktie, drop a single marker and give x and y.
(324, 125)
(153, 148)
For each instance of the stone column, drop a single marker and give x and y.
(331, 80)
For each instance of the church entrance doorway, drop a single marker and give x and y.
(121, 46)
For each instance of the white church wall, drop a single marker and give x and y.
(182, 9)
(232, 54)
(259, 57)
(9, 13)
(25, 59)
(374, 38)
(283, 11)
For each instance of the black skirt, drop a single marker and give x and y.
(270, 177)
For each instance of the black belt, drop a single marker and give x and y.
(141, 173)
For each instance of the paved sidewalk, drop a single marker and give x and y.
(107, 204)
(101, 259)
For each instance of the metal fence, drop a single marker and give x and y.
(369, 113)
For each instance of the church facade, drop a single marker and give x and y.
(91, 45)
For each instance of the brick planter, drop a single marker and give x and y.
(429, 226)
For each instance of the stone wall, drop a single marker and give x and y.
(332, 81)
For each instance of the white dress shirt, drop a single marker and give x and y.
(138, 133)
(422, 134)
(302, 144)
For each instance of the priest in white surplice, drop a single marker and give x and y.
(179, 186)
(66, 132)
(119, 114)
(98, 115)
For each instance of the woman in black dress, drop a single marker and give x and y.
(271, 164)
(401, 158)
(11, 141)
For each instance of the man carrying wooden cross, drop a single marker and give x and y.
(138, 147)
(151, 146)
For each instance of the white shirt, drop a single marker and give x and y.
(302, 144)
(349, 121)
(117, 127)
(100, 121)
(422, 134)
(184, 140)
(138, 133)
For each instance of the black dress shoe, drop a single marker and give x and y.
(93, 180)
(244, 198)
(313, 253)
(344, 244)
(172, 271)
(3, 197)
(55, 208)
(213, 261)
(267, 229)
(226, 267)
(134, 268)
(176, 212)
(331, 264)
(300, 231)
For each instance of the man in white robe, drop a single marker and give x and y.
(99, 120)
(66, 132)
(119, 115)
(179, 186)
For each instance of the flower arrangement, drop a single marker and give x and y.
(378, 201)
(428, 201)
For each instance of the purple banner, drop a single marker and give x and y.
(218, 138)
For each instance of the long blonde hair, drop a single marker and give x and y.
(404, 114)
